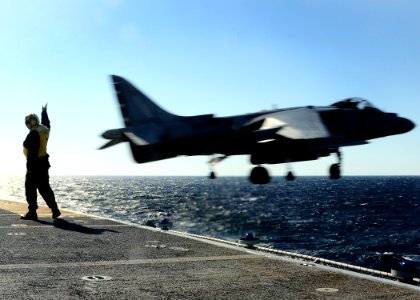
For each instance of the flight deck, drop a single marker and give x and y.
(82, 256)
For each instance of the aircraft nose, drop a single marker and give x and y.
(405, 125)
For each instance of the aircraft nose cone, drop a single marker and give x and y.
(406, 125)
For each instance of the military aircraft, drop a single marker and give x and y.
(269, 137)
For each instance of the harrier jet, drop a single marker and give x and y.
(270, 137)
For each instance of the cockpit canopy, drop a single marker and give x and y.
(355, 103)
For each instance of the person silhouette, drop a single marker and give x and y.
(37, 165)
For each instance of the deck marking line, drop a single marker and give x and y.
(128, 262)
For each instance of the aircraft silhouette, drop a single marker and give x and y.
(269, 137)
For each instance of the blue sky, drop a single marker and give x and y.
(193, 57)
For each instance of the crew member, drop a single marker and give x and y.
(37, 165)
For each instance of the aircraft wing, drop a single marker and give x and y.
(296, 124)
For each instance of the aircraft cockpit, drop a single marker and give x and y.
(355, 103)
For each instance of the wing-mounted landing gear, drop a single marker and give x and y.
(259, 175)
(212, 175)
(289, 175)
(213, 162)
(335, 172)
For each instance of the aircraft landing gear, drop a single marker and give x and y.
(290, 176)
(212, 163)
(259, 175)
(212, 175)
(335, 172)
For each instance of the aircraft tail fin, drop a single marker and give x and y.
(136, 107)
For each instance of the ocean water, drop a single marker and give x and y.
(353, 220)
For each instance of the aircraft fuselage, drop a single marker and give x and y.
(269, 137)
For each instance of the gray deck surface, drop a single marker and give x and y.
(83, 257)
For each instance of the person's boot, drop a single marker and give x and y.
(56, 213)
(30, 215)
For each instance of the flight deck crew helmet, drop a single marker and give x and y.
(31, 120)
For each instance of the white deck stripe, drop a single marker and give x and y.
(128, 262)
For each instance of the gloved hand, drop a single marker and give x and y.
(44, 116)
(44, 109)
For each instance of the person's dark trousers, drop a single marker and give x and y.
(39, 179)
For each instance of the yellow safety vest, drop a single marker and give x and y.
(44, 133)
